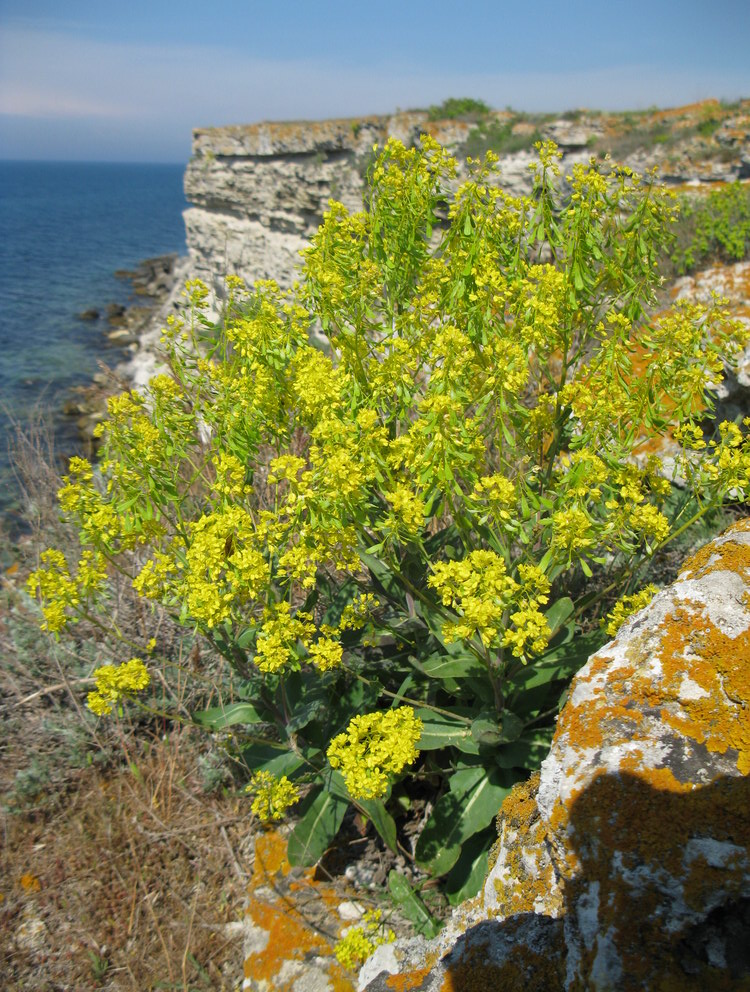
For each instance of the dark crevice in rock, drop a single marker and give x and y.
(721, 941)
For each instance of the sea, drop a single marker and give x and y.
(65, 228)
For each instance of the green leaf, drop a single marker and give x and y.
(466, 877)
(323, 814)
(278, 759)
(305, 696)
(486, 731)
(438, 666)
(558, 613)
(219, 717)
(412, 906)
(560, 662)
(247, 638)
(374, 809)
(475, 796)
(382, 820)
(439, 731)
(357, 697)
(548, 556)
(383, 578)
(523, 754)
(511, 726)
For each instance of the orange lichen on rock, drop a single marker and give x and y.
(410, 981)
(651, 826)
(270, 858)
(641, 856)
(720, 668)
(289, 935)
(729, 555)
(523, 881)
(288, 940)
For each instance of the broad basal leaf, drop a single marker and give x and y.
(474, 799)
(220, 717)
(411, 905)
(313, 835)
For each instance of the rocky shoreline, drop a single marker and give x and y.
(135, 329)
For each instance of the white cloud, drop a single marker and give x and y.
(24, 100)
(150, 89)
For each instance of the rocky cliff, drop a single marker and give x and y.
(259, 191)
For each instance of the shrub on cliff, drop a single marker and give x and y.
(403, 547)
(713, 227)
(464, 108)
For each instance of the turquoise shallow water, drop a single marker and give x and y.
(64, 230)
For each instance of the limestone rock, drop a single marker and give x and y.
(258, 192)
(570, 134)
(732, 282)
(626, 864)
(289, 931)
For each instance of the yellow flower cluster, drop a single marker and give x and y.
(230, 475)
(541, 308)
(153, 580)
(480, 589)
(279, 634)
(356, 614)
(317, 385)
(530, 635)
(728, 467)
(499, 495)
(408, 510)
(273, 796)
(648, 522)
(583, 475)
(99, 522)
(62, 593)
(223, 566)
(689, 435)
(374, 746)
(572, 532)
(312, 548)
(532, 632)
(326, 653)
(626, 607)
(196, 292)
(358, 944)
(117, 682)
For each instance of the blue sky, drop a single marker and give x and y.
(98, 80)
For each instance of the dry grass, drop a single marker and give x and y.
(121, 859)
(125, 881)
(122, 839)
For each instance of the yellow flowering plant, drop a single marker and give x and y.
(403, 539)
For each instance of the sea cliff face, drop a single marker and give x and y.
(259, 191)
